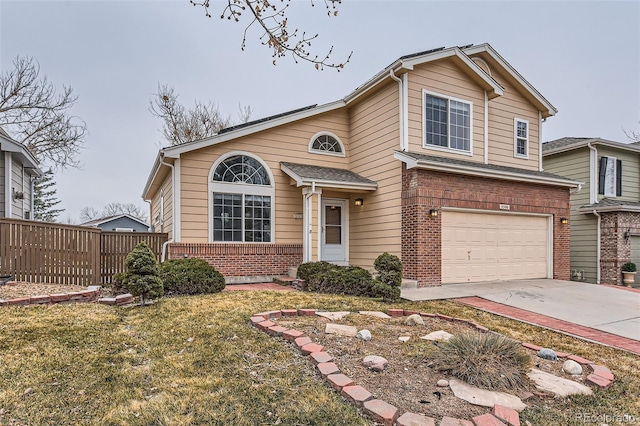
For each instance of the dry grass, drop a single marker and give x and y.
(194, 360)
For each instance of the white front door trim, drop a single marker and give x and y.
(344, 219)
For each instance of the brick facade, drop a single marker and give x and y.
(423, 190)
(242, 262)
(615, 250)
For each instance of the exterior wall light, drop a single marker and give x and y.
(433, 212)
(359, 202)
(564, 220)
(627, 234)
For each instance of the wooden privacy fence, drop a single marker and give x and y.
(42, 252)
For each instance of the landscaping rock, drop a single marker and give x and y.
(414, 319)
(572, 367)
(340, 330)
(364, 335)
(443, 383)
(404, 339)
(438, 335)
(374, 362)
(547, 354)
(333, 316)
(483, 397)
(557, 385)
(375, 314)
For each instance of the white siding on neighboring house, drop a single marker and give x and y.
(21, 184)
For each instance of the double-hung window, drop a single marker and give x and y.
(448, 123)
(610, 177)
(242, 194)
(521, 138)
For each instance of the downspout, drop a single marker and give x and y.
(540, 168)
(593, 161)
(403, 119)
(486, 127)
(308, 228)
(150, 218)
(597, 247)
(173, 207)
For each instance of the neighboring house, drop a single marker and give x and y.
(119, 222)
(18, 172)
(436, 159)
(605, 214)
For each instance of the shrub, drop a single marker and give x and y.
(118, 283)
(389, 278)
(190, 276)
(308, 270)
(488, 361)
(329, 278)
(142, 274)
(629, 267)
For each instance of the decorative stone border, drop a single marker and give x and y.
(381, 411)
(91, 294)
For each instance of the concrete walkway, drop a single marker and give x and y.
(610, 310)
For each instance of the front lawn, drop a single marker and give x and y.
(194, 360)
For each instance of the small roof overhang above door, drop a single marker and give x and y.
(327, 177)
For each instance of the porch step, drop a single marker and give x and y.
(284, 280)
(407, 284)
(293, 271)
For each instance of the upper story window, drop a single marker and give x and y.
(241, 200)
(610, 177)
(448, 123)
(326, 143)
(521, 138)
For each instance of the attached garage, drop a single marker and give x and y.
(479, 246)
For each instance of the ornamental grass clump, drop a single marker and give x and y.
(142, 274)
(488, 361)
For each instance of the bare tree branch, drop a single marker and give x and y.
(181, 125)
(33, 113)
(273, 21)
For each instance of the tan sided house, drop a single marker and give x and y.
(436, 159)
(605, 215)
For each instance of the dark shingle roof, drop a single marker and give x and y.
(444, 161)
(262, 120)
(611, 202)
(308, 172)
(562, 142)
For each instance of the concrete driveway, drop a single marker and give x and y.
(603, 308)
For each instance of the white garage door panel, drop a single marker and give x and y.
(488, 247)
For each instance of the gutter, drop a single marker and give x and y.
(595, 212)
(593, 163)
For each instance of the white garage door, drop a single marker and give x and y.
(487, 247)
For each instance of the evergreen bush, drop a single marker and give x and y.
(191, 276)
(142, 274)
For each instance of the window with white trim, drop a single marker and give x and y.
(326, 143)
(521, 138)
(242, 194)
(610, 177)
(448, 122)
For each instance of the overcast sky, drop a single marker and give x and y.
(584, 57)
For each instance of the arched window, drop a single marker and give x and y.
(241, 200)
(326, 143)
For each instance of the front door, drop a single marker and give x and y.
(333, 247)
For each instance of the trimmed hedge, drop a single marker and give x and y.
(389, 278)
(190, 276)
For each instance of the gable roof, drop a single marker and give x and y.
(570, 143)
(452, 165)
(462, 56)
(111, 218)
(326, 177)
(8, 144)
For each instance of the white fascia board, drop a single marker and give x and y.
(607, 209)
(28, 160)
(486, 173)
(594, 141)
(291, 174)
(152, 177)
(515, 74)
(175, 151)
(409, 64)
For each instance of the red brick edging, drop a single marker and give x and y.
(91, 294)
(380, 410)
